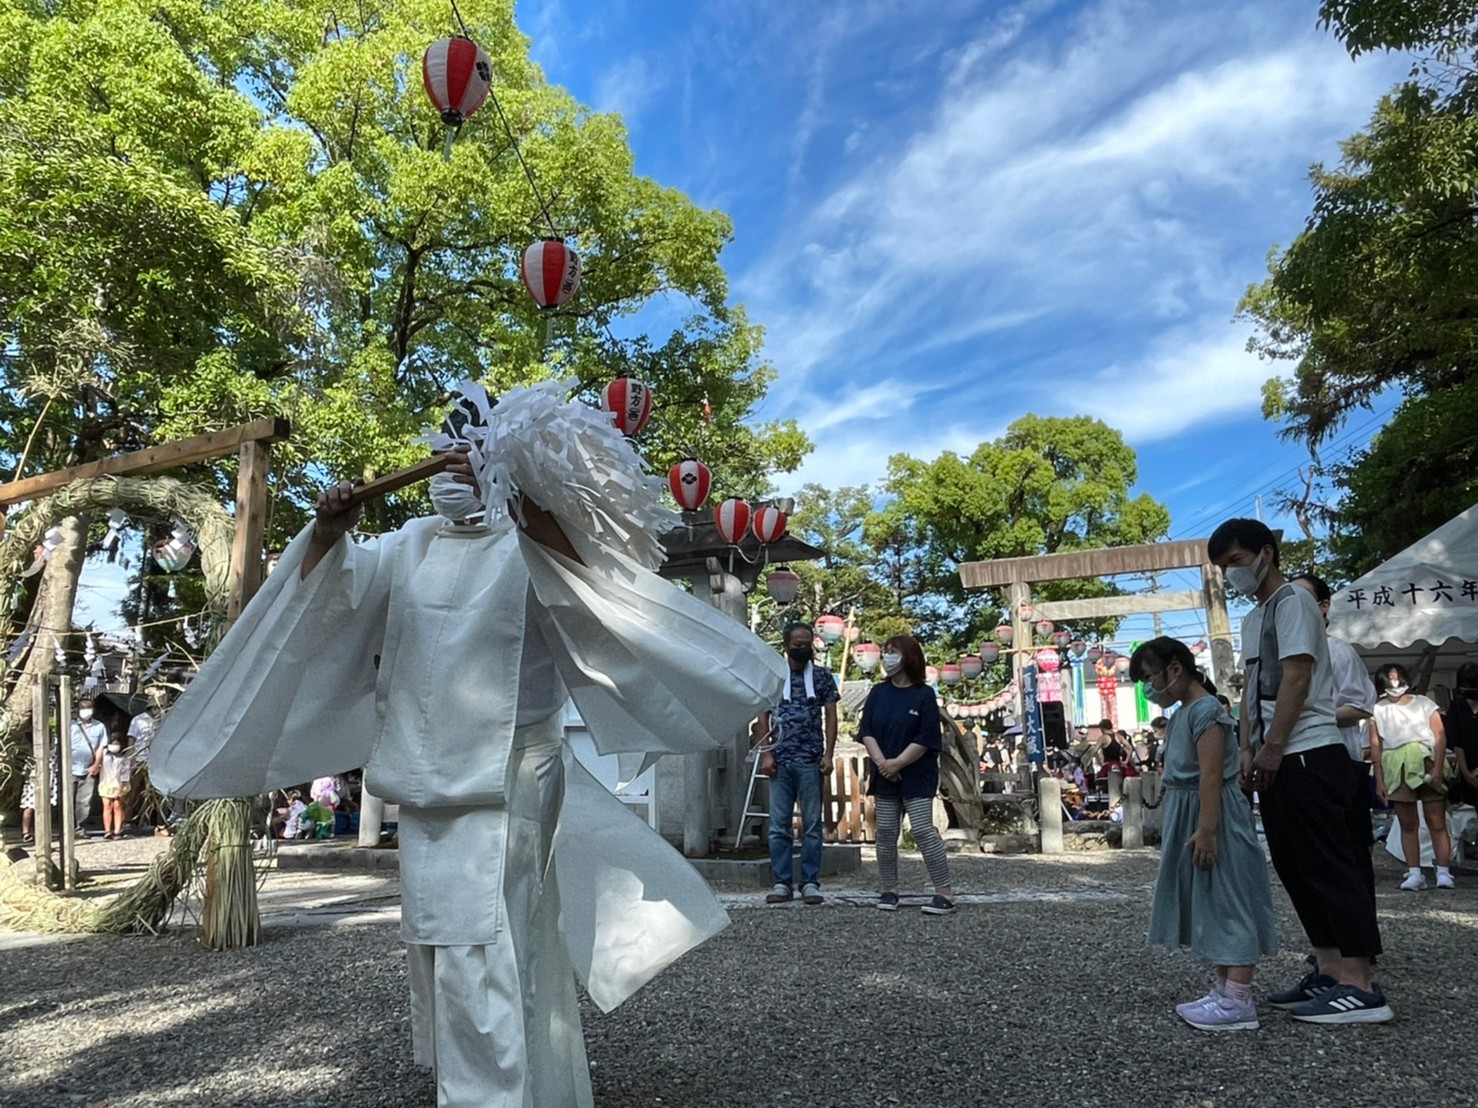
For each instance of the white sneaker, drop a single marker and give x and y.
(1445, 881)
(1414, 883)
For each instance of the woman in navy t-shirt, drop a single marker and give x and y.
(901, 730)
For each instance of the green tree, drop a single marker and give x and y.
(1378, 291)
(1048, 485)
(213, 212)
(846, 577)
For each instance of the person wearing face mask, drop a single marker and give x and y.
(901, 730)
(802, 729)
(1408, 746)
(439, 657)
(1295, 759)
(89, 736)
(113, 781)
(1212, 894)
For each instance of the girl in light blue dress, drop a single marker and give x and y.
(1212, 894)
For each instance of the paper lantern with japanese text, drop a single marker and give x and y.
(630, 403)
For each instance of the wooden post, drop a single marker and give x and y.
(251, 521)
(41, 751)
(68, 798)
(1218, 625)
(1022, 635)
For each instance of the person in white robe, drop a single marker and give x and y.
(439, 657)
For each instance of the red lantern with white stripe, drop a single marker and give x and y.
(931, 675)
(1044, 627)
(630, 402)
(769, 524)
(457, 74)
(989, 652)
(732, 519)
(867, 655)
(950, 674)
(551, 273)
(830, 628)
(689, 481)
(782, 585)
(971, 666)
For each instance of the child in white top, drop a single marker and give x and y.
(1408, 748)
(113, 778)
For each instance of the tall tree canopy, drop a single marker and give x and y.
(1048, 485)
(211, 212)
(1380, 290)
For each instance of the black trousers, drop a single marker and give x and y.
(1314, 833)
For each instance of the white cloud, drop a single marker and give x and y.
(1106, 176)
(627, 88)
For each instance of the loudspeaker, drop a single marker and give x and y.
(1054, 725)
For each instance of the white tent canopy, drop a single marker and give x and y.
(1421, 603)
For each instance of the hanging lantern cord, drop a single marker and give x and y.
(512, 139)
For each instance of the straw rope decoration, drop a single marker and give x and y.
(144, 907)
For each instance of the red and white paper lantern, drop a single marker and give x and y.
(551, 272)
(630, 403)
(769, 524)
(950, 673)
(989, 652)
(867, 655)
(690, 481)
(732, 520)
(457, 74)
(1004, 634)
(782, 585)
(830, 628)
(971, 665)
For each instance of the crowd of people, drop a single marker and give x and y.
(107, 754)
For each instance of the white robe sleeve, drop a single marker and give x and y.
(289, 694)
(649, 667)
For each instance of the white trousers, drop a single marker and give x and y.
(499, 1024)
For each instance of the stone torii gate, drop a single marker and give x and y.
(1018, 575)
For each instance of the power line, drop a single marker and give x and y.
(1193, 521)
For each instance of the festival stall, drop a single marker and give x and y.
(1418, 608)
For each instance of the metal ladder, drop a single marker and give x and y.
(754, 775)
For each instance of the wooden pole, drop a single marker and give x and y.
(41, 751)
(251, 522)
(69, 799)
(1218, 625)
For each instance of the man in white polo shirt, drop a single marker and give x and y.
(1296, 760)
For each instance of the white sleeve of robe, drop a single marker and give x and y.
(650, 667)
(289, 694)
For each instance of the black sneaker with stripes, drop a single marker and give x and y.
(1345, 1004)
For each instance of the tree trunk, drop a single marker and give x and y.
(53, 609)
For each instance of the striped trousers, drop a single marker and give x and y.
(888, 813)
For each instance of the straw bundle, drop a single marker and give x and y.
(230, 919)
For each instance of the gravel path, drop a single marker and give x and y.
(1040, 994)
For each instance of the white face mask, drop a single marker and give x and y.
(453, 499)
(84, 713)
(892, 663)
(1396, 692)
(1247, 579)
(115, 748)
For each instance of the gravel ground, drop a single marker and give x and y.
(1044, 995)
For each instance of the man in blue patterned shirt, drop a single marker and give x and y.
(802, 732)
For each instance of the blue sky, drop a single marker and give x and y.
(948, 214)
